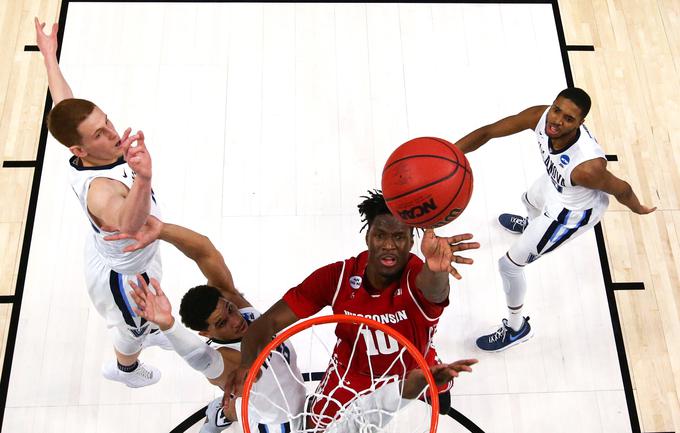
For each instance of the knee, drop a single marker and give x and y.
(508, 267)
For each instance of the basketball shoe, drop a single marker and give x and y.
(505, 337)
(215, 421)
(143, 375)
(513, 223)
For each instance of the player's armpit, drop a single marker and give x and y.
(105, 199)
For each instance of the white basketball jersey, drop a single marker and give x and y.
(560, 164)
(111, 252)
(279, 391)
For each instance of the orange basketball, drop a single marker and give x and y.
(427, 182)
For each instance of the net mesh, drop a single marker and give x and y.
(343, 400)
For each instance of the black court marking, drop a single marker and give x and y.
(612, 157)
(616, 327)
(18, 164)
(7, 299)
(464, 421)
(604, 263)
(580, 48)
(28, 234)
(628, 286)
(31, 48)
(30, 220)
(190, 421)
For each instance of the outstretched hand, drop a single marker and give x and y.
(137, 156)
(442, 373)
(439, 251)
(47, 44)
(644, 210)
(146, 235)
(233, 385)
(154, 307)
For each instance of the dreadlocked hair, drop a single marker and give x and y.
(372, 206)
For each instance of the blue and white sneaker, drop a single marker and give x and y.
(505, 337)
(513, 223)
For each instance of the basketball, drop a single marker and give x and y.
(427, 182)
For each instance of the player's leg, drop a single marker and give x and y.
(541, 237)
(533, 200)
(109, 293)
(516, 329)
(127, 368)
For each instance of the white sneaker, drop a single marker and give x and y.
(157, 339)
(215, 421)
(143, 375)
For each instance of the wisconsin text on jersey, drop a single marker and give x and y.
(382, 318)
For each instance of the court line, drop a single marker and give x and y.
(18, 164)
(580, 48)
(564, 48)
(604, 263)
(28, 233)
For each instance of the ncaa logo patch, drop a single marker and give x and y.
(564, 159)
(355, 281)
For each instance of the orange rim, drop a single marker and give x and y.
(339, 318)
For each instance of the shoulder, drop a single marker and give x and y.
(589, 172)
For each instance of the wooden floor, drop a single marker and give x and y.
(634, 80)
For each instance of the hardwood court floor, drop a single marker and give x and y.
(632, 76)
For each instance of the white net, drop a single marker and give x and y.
(356, 392)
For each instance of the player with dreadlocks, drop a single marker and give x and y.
(386, 283)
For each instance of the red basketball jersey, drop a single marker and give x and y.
(401, 306)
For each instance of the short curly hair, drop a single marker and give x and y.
(197, 305)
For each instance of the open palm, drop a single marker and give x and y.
(440, 252)
(154, 307)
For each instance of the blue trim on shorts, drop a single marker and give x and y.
(115, 279)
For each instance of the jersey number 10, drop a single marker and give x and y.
(377, 343)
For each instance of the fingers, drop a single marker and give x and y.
(157, 285)
(140, 140)
(464, 246)
(454, 272)
(133, 247)
(55, 29)
(117, 237)
(461, 260)
(459, 238)
(126, 134)
(464, 364)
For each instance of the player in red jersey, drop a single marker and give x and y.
(386, 283)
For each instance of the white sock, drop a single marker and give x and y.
(515, 319)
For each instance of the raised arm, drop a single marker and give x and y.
(594, 174)
(527, 119)
(210, 261)
(112, 204)
(259, 333)
(59, 88)
(433, 279)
